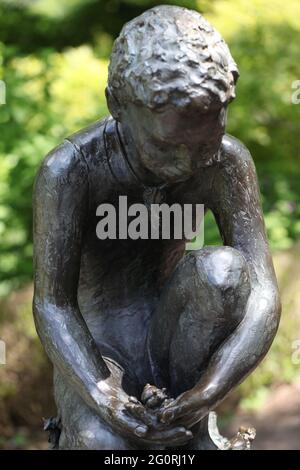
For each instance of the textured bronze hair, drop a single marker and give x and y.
(171, 55)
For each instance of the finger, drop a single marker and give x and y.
(171, 414)
(141, 431)
(184, 438)
(139, 412)
(134, 400)
(170, 437)
(130, 425)
(178, 435)
(188, 421)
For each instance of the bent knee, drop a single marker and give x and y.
(224, 274)
(224, 268)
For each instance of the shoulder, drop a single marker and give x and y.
(89, 141)
(61, 171)
(233, 148)
(234, 151)
(69, 159)
(235, 157)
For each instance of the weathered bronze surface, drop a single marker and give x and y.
(116, 315)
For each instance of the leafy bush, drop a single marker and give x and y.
(49, 96)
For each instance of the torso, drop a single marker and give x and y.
(121, 280)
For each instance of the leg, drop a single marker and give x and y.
(201, 305)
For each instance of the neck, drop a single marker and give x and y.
(134, 160)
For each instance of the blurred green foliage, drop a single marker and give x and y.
(32, 25)
(49, 95)
(53, 59)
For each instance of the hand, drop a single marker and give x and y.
(186, 410)
(131, 419)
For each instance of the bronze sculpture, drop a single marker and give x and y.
(116, 315)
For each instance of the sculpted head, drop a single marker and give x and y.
(171, 77)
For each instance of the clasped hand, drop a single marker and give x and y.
(155, 419)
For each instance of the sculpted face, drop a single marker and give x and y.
(174, 142)
(171, 76)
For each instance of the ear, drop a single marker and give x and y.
(113, 105)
